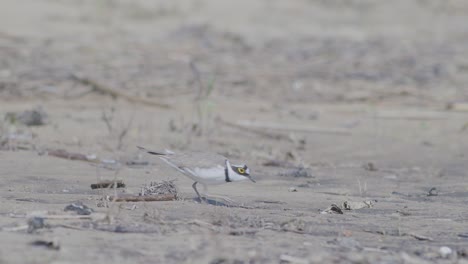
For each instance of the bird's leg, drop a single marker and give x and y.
(194, 186)
(224, 198)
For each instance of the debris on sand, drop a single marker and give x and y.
(445, 252)
(243, 232)
(333, 209)
(53, 216)
(291, 170)
(398, 233)
(159, 188)
(291, 259)
(346, 242)
(137, 163)
(404, 212)
(61, 153)
(292, 189)
(277, 163)
(308, 184)
(50, 244)
(370, 166)
(79, 208)
(299, 172)
(260, 132)
(108, 184)
(226, 261)
(115, 93)
(265, 126)
(350, 205)
(419, 237)
(154, 192)
(147, 198)
(294, 225)
(35, 223)
(433, 192)
(16, 138)
(457, 106)
(92, 158)
(35, 117)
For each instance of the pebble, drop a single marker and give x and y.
(445, 252)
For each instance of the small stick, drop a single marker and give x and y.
(294, 260)
(45, 215)
(254, 130)
(114, 93)
(15, 228)
(409, 115)
(420, 237)
(291, 128)
(65, 217)
(61, 153)
(108, 184)
(457, 106)
(69, 226)
(148, 198)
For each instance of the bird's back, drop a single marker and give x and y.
(196, 159)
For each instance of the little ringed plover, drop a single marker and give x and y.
(205, 168)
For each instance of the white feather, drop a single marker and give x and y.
(208, 176)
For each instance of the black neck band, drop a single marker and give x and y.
(226, 174)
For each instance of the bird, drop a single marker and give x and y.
(203, 167)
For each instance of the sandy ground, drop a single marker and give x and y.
(349, 100)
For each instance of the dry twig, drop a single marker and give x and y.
(116, 94)
(256, 131)
(150, 198)
(108, 184)
(61, 153)
(245, 124)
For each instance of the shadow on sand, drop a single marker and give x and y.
(219, 203)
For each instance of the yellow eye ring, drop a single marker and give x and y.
(241, 170)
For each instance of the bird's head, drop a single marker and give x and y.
(242, 170)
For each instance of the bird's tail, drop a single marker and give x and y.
(167, 152)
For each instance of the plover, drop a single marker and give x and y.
(205, 168)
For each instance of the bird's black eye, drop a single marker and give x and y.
(241, 170)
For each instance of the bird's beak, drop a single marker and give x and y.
(250, 178)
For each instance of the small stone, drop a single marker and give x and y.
(35, 223)
(370, 166)
(445, 252)
(79, 208)
(433, 192)
(333, 209)
(50, 244)
(292, 189)
(35, 117)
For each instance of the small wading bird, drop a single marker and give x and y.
(205, 168)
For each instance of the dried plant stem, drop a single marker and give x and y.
(149, 198)
(117, 94)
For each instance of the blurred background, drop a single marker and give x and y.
(285, 62)
(214, 74)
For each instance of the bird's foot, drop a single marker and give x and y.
(201, 199)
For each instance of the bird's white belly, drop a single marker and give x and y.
(210, 176)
